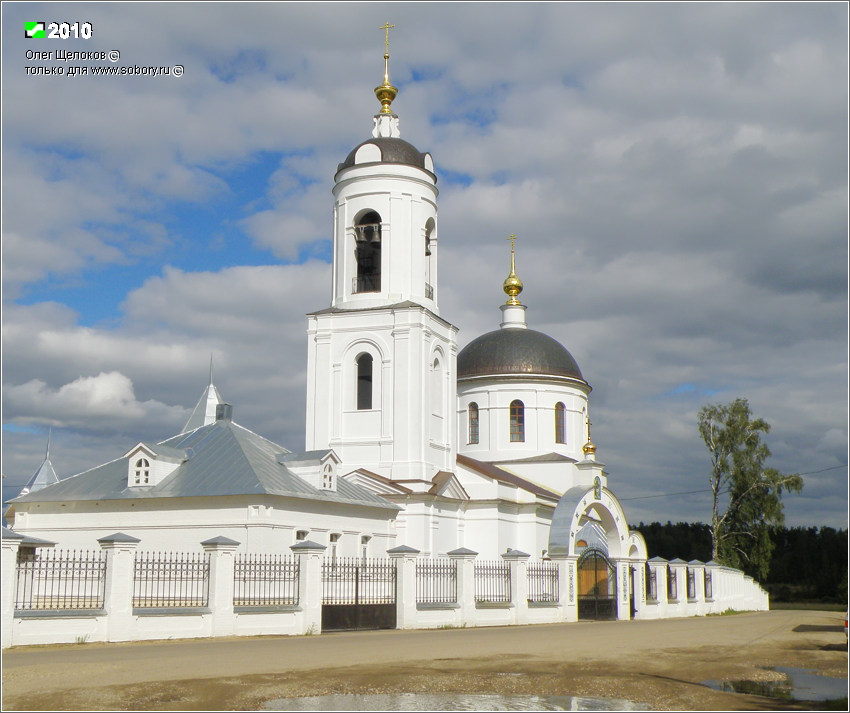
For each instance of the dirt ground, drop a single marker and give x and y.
(661, 664)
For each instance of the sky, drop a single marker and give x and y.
(676, 174)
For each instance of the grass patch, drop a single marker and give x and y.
(816, 606)
(728, 612)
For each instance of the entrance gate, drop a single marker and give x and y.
(358, 594)
(597, 586)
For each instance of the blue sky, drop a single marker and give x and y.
(676, 173)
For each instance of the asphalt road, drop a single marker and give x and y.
(662, 663)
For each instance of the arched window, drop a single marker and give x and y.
(437, 388)
(142, 475)
(364, 382)
(429, 285)
(517, 422)
(328, 477)
(560, 423)
(473, 422)
(367, 252)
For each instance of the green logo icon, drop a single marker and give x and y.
(33, 30)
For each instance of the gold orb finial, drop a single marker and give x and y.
(386, 92)
(512, 285)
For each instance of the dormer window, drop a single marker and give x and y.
(142, 473)
(149, 465)
(328, 477)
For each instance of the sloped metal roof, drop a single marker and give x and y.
(223, 459)
(562, 520)
(594, 535)
(44, 476)
(504, 476)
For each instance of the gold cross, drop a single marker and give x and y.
(386, 27)
(512, 238)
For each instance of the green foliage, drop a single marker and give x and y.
(807, 563)
(746, 494)
(688, 540)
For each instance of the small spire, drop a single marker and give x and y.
(47, 450)
(211, 359)
(589, 449)
(512, 285)
(386, 92)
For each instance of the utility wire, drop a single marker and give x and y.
(823, 470)
(669, 495)
(722, 492)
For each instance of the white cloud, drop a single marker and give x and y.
(676, 174)
(103, 402)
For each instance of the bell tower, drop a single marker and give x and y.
(381, 361)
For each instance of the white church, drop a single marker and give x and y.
(409, 443)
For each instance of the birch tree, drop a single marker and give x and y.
(746, 494)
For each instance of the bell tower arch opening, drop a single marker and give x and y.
(367, 253)
(430, 258)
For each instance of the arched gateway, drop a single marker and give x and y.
(589, 527)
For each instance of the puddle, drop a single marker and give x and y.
(799, 684)
(450, 702)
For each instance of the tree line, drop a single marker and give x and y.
(806, 563)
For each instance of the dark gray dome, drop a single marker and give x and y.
(516, 351)
(392, 151)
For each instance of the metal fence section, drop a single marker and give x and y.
(493, 582)
(436, 581)
(265, 580)
(358, 581)
(162, 579)
(543, 582)
(61, 579)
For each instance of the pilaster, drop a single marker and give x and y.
(120, 551)
(405, 564)
(465, 559)
(310, 556)
(8, 581)
(518, 562)
(221, 551)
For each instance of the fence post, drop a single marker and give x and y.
(564, 587)
(639, 570)
(572, 587)
(621, 572)
(118, 592)
(464, 559)
(404, 558)
(518, 562)
(9, 578)
(698, 568)
(220, 551)
(310, 556)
